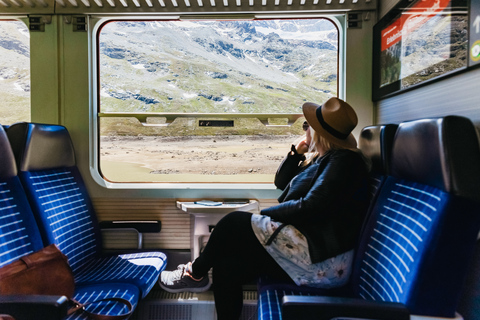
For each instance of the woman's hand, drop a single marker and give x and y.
(302, 146)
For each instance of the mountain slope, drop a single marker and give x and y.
(228, 66)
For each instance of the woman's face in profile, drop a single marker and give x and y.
(308, 135)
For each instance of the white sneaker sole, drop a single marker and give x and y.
(179, 290)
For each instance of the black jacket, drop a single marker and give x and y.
(326, 200)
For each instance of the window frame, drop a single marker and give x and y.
(95, 25)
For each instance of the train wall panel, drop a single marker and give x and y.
(175, 233)
(457, 95)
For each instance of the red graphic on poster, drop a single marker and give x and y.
(411, 19)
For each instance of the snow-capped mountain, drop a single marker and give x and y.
(195, 66)
(207, 66)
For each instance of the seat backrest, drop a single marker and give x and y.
(19, 234)
(423, 225)
(376, 144)
(55, 189)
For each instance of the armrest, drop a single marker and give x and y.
(153, 226)
(34, 307)
(141, 227)
(326, 308)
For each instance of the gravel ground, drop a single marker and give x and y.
(226, 155)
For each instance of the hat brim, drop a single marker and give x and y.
(309, 111)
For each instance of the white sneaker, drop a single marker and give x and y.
(181, 280)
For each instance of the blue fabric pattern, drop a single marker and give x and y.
(141, 269)
(270, 304)
(65, 213)
(407, 214)
(270, 298)
(19, 235)
(86, 294)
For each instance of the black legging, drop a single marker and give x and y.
(237, 258)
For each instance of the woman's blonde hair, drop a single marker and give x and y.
(318, 142)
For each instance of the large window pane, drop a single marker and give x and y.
(207, 80)
(14, 72)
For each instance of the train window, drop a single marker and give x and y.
(203, 101)
(14, 72)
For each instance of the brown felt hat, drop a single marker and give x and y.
(334, 120)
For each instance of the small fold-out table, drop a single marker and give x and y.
(205, 217)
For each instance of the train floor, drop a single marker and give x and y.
(162, 305)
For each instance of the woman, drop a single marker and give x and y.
(308, 237)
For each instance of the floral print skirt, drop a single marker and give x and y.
(290, 251)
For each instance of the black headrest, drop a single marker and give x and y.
(376, 144)
(7, 160)
(440, 152)
(41, 146)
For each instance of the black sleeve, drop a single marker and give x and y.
(333, 183)
(289, 168)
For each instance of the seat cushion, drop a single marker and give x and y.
(91, 293)
(140, 269)
(270, 294)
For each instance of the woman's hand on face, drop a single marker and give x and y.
(302, 147)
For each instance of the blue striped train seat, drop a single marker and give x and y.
(421, 232)
(19, 236)
(376, 144)
(19, 233)
(62, 207)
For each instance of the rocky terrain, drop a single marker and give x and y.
(198, 159)
(217, 67)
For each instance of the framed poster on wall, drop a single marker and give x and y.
(417, 42)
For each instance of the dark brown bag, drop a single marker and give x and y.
(45, 272)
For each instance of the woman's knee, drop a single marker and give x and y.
(236, 217)
(234, 222)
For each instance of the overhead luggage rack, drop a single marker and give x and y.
(211, 5)
(180, 6)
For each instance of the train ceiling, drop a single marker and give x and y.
(50, 7)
